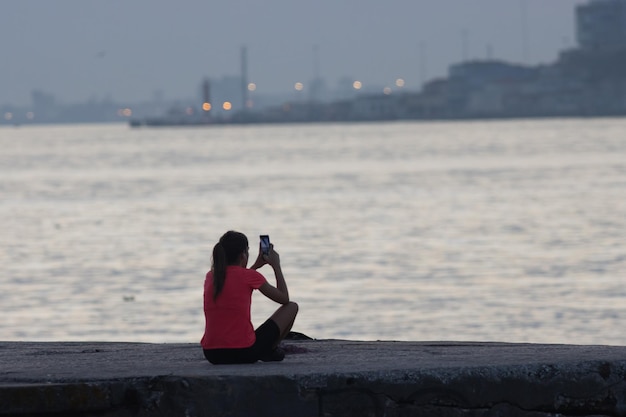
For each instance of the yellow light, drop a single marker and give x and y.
(227, 105)
(252, 87)
(387, 91)
(8, 115)
(399, 82)
(357, 85)
(206, 106)
(298, 86)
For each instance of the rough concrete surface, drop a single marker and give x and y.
(332, 378)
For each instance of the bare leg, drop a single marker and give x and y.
(284, 317)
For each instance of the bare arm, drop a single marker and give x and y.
(279, 293)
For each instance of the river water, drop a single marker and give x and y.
(486, 230)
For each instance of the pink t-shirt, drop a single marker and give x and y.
(227, 319)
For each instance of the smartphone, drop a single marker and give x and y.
(265, 244)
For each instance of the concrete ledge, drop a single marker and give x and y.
(333, 378)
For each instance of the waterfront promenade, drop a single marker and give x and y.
(320, 378)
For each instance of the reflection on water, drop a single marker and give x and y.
(509, 231)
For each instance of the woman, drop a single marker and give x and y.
(229, 336)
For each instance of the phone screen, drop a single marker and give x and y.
(265, 244)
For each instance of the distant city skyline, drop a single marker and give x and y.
(134, 51)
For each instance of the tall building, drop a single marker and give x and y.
(601, 24)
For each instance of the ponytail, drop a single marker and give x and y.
(226, 252)
(219, 269)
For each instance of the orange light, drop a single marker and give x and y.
(206, 106)
(399, 82)
(357, 85)
(298, 86)
(252, 87)
(227, 105)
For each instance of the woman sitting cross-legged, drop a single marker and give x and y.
(229, 336)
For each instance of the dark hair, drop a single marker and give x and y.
(226, 252)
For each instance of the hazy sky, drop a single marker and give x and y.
(127, 50)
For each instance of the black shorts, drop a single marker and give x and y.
(267, 336)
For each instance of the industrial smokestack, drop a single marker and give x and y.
(244, 77)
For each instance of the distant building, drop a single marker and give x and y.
(225, 94)
(480, 72)
(601, 24)
(482, 87)
(376, 107)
